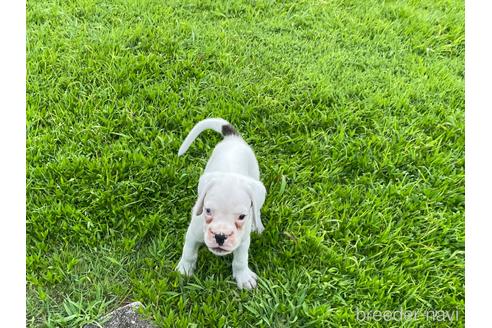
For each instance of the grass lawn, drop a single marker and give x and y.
(355, 110)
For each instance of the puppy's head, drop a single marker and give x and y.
(226, 207)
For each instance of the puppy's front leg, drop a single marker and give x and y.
(187, 263)
(245, 278)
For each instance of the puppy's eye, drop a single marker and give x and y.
(242, 216)
(208, 211)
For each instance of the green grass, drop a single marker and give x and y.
(355, 110)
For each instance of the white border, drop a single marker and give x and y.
(478, 163)
(13, 163)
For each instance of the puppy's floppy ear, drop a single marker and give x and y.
(203, 186)
(257, 192)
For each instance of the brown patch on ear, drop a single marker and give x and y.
(228, 130)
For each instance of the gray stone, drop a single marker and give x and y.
(124, 317)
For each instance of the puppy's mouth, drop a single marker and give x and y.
(219, 250)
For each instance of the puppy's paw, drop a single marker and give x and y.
(185, 267)
(245, 279)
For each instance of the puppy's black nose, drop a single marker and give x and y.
(220, 237)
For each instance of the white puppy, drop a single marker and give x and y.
(230, 196)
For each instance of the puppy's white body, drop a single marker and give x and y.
(230, 196)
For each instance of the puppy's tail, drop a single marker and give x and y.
(217, 124)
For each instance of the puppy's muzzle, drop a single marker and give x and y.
(220, 238)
